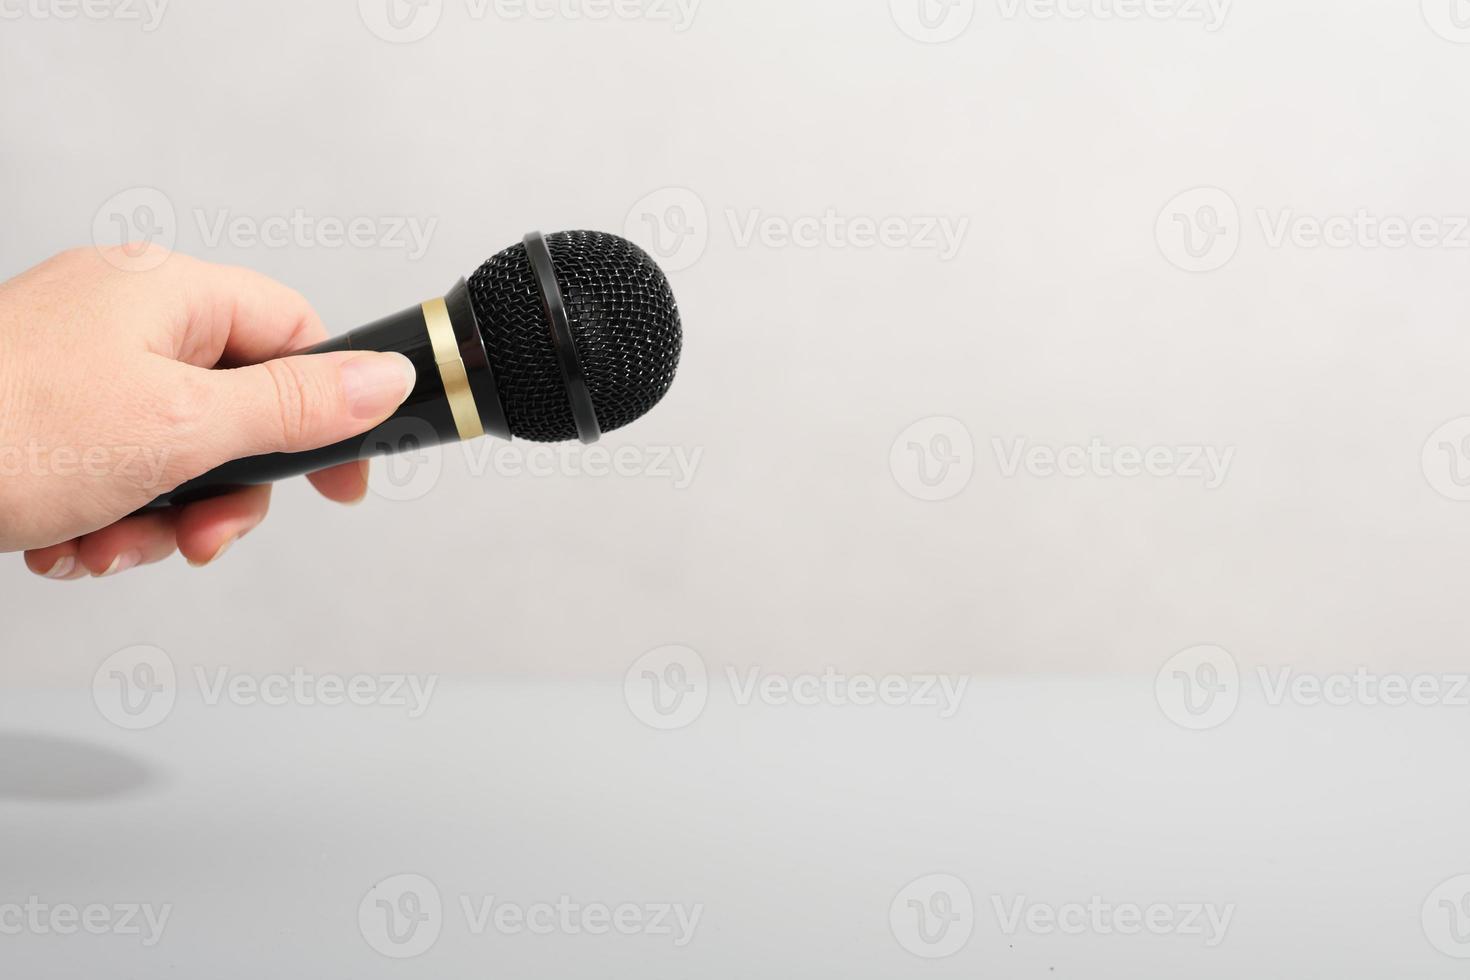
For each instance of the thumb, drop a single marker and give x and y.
(294, 404)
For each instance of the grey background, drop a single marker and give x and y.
(1058, 321)
(1332, 543)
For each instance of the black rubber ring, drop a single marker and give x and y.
(583, 411)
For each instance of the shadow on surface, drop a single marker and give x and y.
(49, 767)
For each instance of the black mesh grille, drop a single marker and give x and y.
(624, 321)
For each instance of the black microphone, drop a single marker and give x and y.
(560, 337)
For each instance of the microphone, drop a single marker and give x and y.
(559, 337)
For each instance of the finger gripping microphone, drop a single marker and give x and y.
(560, 337)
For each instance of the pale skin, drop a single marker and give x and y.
(126, 372)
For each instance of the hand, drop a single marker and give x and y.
(109, 397)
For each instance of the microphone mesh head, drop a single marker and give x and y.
(624, 321)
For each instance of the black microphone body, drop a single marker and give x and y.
(560, 337)
(425, 418)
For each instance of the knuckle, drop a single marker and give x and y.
(185, 405)
(294, 397)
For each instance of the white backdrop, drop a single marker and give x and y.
(1053, 149)
(1021, 338)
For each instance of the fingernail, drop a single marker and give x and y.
(377, 383)
(220, 551)
(64, 566)
(123, 562)
(366, 467)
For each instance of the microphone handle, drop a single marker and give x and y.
(454, 398)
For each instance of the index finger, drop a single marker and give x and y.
(235, 316)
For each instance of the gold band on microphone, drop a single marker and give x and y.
(451, 370)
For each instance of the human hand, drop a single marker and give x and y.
(109, 398)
